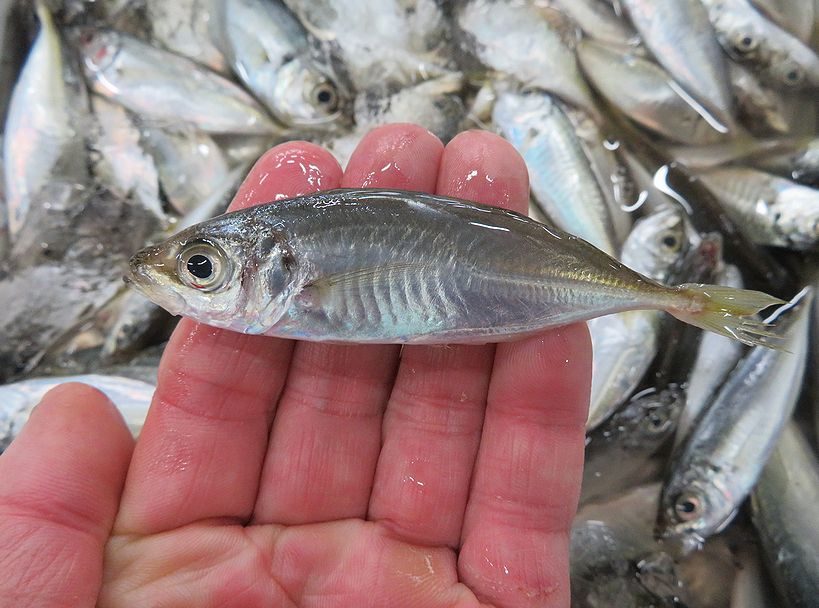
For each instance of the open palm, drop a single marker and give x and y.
(279, 473)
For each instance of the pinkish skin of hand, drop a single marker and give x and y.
(275, 473)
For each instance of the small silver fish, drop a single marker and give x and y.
(748, 36)
(773, 210)
(166, 88)
(784, 510)
(386, 266)
(716, 468)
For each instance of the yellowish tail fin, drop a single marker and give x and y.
(728, 311)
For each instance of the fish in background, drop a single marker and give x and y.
(625, 344)
(716, 468)
(561, 177)
(620, 453)
(747, 36)
(47, 118)
(773, 210)
(681, 39)
(531, 43)
(784, 511)
(166, 89)
(269, 52)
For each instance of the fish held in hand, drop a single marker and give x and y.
(387, 266)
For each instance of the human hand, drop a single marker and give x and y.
(279, 473)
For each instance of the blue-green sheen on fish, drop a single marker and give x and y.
(387, 266)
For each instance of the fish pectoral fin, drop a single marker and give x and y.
(359, 279)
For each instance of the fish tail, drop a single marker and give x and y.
(728, 311)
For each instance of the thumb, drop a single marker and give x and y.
(60, 486)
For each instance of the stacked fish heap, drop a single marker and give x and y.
(676, 135)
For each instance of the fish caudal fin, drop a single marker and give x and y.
(727, 311)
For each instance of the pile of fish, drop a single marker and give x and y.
(678, 136)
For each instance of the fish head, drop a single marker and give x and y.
(99, 49)
(692, 509)
(304, 96)
(227, 272)
(658, 243)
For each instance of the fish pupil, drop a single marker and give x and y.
(200, 266)
(324, 96)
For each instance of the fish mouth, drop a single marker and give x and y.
(144, 274)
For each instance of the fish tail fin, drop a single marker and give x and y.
(728, 311)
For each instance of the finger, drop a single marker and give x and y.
(60, 484)
(433, 422)
(327, 434)
(526, 483)
(201, 451)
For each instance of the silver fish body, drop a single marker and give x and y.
(784, 511)
(598, 20)
(533, 44)
(640, 89)
(184, 27)
(122, 163)
(717, 467)
(757, 104)
(42, 141)
(680, 36)
(620, 453)
(17, 400)
(189, 164)
(386, 266)
(795, 16)
(165, 88)
(716, 357)
(624, 344)
(748, 36)
(773, 210)
(269, 52)
(562, 179)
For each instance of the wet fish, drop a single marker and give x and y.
(800, 163)
(748, 36)
(378, 40)
(385, 266)
(534, 44)
(17, 400)
(615, 561)
(795, 16)
(121, 162)
(269, 52)
(679, 35)
(185, 27)
(783, 507)
(189, 164)
(625, 344)
(599, 20)
(166, 89)
(716, 357)
(773, 210)
(757, 105)
(562, 179)
(620, 453)
(43, 133)
(640, 89)
(717, 467)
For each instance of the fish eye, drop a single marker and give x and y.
(202, 266)
(670, 241)
(687, 506)
(792, 75)
(324, 95)
(657, 422)
(745, 43)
